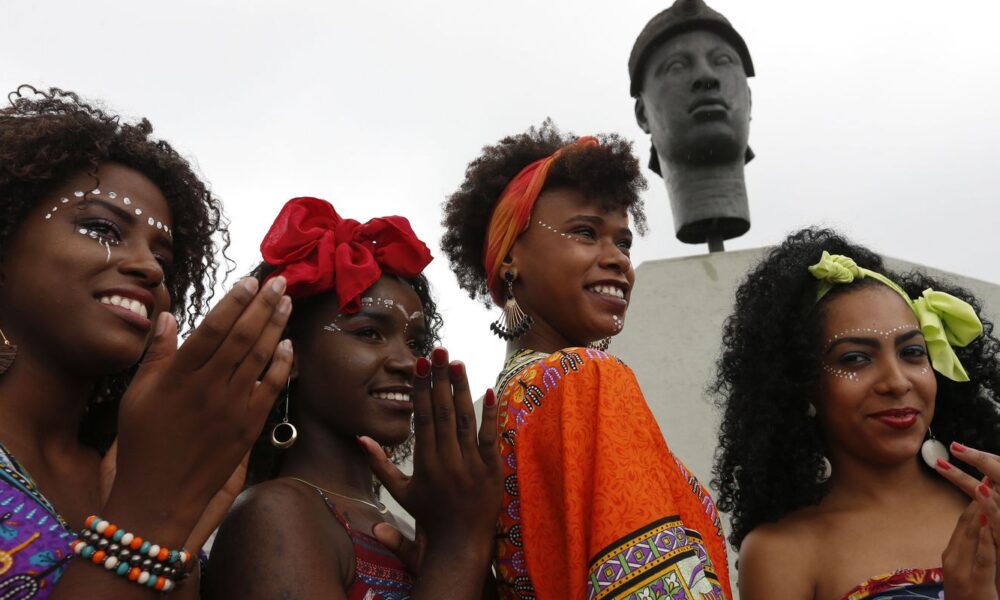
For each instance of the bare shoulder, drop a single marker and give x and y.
(279, 540)
(780, 557)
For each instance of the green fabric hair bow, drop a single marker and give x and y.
(945, 321)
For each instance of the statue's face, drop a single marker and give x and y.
(695, 101)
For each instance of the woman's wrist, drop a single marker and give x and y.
(162, 523)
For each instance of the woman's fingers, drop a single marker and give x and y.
(247, 330)
(218, 507)
(201, 345)
(394, 480)
(274, 381)
(409, 551)
(987, 464)
(443, 403)
(984, 564)
(258, 357)
(962, 480)
(488, 449)
(424, 450)
(465, 411)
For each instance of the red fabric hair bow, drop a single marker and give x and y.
(317, 251)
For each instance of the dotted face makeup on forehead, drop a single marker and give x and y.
(125, 200)
(374, 302)
(869, 331)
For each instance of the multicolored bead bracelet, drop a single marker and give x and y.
(128, 555)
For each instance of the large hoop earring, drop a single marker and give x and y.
(514, 322)
(278, 438)
(932, 450)
(8, 352)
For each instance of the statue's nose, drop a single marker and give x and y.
(705, 83)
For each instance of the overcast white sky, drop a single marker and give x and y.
(879, 118)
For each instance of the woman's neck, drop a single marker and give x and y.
(41, 407)
(540, 337)
(330, 461)
(854, 482)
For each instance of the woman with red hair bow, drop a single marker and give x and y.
(364, 321)
(595, 504)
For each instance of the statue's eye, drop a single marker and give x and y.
(724, 59)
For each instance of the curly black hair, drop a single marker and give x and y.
(47, 137)
(608, 173)
(770, 448)
(265, 459)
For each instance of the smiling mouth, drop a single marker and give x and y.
(393, 396)
(607, 290)
(127, 303)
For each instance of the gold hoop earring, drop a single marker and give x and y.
(283, 442)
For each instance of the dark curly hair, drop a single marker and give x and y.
(770, 448)
(265, 459)
(47, 137)
(608, 173)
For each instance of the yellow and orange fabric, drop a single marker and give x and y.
(512, 213)
(595, 504)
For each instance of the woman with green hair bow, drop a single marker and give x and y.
(843, 387)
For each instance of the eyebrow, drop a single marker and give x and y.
(874, 342)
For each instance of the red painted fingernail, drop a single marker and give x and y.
(456, 370)
(423, 367)
(490, 398)
(988, 481)
(439, 356)
(983, 520)
(958, 447)
(942, 463)
(984, 490)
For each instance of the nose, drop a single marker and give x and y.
(705, 79)
(401, 358)
(892, 380)
(613, 257)
(141, 264)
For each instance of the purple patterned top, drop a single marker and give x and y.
(34, 539)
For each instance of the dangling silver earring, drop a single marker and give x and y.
(8, 352)
(280, 441)
(931, 450)
(514, 322)
(824, 475)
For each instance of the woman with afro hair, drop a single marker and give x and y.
(843, 386)
(113, 473)
(595, 505)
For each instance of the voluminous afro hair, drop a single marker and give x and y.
(265, 459)
(770, 449)
(46, 137)
(608, 173)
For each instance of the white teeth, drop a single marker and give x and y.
(127, 303)
(608, 290)
(396, 396)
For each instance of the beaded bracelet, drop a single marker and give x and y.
(128, 555)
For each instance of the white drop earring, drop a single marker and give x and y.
(932, 450)
(827, 470)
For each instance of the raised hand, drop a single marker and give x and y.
(456, 488)
(970, 559)
(191, 414)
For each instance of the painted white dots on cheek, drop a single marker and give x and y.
(841, 373)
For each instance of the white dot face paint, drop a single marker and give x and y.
(553, 229)
(384, 303)
(151, 221)
(841, 373)
(865, 332)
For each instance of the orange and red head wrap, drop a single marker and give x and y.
(317, 251)
(512, 214)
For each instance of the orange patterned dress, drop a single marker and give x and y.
(595, 505)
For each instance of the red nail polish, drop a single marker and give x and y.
(490, 398)
(958, 447)
(439, 356)
(983, 520)
(984, 490)
(456, 370)
(943, 464)
(423, 367)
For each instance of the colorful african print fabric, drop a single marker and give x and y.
(34, 540)
(906, 584)
(378, 573)
(595, 505)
